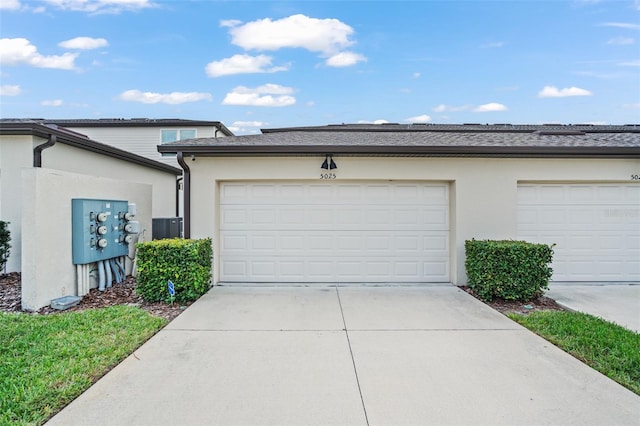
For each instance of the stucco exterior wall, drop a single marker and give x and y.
(16, 154)
(74, 160)
(483, 191)
(47, 268)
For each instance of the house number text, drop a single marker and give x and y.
(635, 177)
(328, 176)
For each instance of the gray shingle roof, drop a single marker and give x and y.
(491, 140)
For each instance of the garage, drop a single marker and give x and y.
(330, 232)
(596, 228)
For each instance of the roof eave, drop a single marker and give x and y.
(470, 151)
(86, 144)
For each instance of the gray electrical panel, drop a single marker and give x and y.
(100, 230)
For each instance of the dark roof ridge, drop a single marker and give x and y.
(462, 128)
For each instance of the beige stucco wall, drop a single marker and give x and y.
(70, 159)
(16, 154)
(483, 191)
(47, 268)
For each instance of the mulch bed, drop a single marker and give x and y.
(125, 294)
(119, 294)
(542, 303)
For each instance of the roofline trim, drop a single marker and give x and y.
(140, 123)
(362, 150)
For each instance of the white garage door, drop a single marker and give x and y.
(334, 232)
(596, 228)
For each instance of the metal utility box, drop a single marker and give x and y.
(167, 227)
(98, 230)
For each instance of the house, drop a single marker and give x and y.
(44, 167)
(141, 135)
(395, 203)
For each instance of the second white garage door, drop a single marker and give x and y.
(596, 228)
(334, 232)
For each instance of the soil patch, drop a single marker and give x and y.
(542, 303)
(119, 294)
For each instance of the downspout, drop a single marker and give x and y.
(215, 133)
(186, 175)
(37, 151)
(178, 180)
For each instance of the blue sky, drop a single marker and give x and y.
(253, 64)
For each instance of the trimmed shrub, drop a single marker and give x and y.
(5, 247)
(187, 263)
(509, 270)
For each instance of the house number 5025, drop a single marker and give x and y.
(326, 176)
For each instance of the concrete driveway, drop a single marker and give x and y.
(349, 356)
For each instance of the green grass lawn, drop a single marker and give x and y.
(612, 350)
(48, 360)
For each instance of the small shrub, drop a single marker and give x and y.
(509, 270)
(187, 263)
(5, 247)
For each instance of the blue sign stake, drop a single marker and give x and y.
(172, 290)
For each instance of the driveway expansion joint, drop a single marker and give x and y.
(355, 368)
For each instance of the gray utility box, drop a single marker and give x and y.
(167, 227)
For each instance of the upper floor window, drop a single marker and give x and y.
(167, 136)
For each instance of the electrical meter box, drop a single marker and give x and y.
(98, 230)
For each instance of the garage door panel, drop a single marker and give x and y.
(595, 228)
(334, 232)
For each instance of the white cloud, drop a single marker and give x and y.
(52, 103)
(317, 35)
(631, 106)
(630, 64)
(621, 41)
(424, 118)
(624, 25)
(84, 43)
(490, 107)
(9, 90)
(246, 127)
(449, 108)
(101, 6)
(242, 64)
(164, 98)
(345, 59)
(372, 122)
(554, 92)
(416, 75)
(230, 23)
(329, 37)
(249, 123)
(10, 5)
(268, 95)
(20, 51)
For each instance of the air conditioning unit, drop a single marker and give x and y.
(166, 227)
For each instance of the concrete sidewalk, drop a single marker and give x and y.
(349, 356)
(618, 303)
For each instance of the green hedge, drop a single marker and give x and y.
(187, 263)
(5, 247)
(509, 270)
